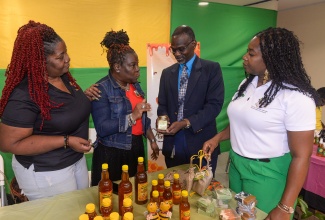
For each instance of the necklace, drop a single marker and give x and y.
(126, 88)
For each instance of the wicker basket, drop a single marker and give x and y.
(16, 191)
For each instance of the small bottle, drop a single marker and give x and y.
(161, 186)
(83, 217)
(177, 190)
(154, 184)
(124, 188)
(184, 206)
(127, 206)
(90, 211)
(105, 186)
(128, 216)
(106, 208)
(98, 217)
(141, 184)
(114, 216)
(167, 195)
(155, 197)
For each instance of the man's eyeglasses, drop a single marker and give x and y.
(180, 49)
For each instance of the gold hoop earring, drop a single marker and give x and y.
(266, 77)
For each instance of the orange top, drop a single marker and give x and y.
(135, 99)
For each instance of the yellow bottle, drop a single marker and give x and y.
(128, 216)
(114, 216)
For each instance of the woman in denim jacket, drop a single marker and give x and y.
(119, 113)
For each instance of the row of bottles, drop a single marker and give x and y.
(91, 214)
(161, 190)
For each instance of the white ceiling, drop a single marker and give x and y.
(279, 5)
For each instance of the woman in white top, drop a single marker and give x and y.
(272, 122)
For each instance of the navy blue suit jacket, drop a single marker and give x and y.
(203, 102)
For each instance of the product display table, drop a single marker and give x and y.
(314, 186)
(72, 204)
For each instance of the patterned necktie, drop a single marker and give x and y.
(182, 92)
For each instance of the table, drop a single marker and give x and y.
(72, 204)
(313, 190)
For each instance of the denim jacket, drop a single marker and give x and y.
(110, 114)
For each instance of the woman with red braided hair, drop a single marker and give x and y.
(119, 114)
(44, 115)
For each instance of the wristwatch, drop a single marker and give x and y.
(188, 123)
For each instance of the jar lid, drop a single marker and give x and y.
(127, 202)
(155, 193)
(128, 216)
(107, 202)
(154, 182)
(90, 207)
(176, 176)
(184, 193)
(125, 168)
(167, 183)
(140, 159)
(161, 176)
(104, 166)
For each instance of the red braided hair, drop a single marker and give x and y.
(34, 42)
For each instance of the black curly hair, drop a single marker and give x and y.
(281, 54)
(117, 46)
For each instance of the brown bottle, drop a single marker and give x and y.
(124, 188)
(154, 186)
(155, 197)
(105, 186)
(184, 207)
(106, 208)
(167, 195)
(90, 211)
(127, 206)
(141, 184)
(177, 191)
(161, 186)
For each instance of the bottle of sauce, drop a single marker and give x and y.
(114, 216)
(90, 211)
(184, 206)
(127, 206)
(141, 184)
(155, 197)
(124, 188)
(154, 186)
(176, 190)
(106, 208)
(167, 195)
(161, 186)
(105, 186)
(83, 217)
(128, 216)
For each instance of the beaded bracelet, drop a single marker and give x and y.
(66, 141)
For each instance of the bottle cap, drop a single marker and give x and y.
(83, 217)
(127, 202)
(154, 182)
(107, 202)
(104, 166)
(128, 216)
(114, 216)
(125, 168)
(161, 176)
(98, 217)
(140, 159)
(167, 183)
(176, 176)
(184, 193)
(155, 193)
(90, 207)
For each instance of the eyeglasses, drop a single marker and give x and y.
(180, 49)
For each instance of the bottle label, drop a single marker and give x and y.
(177, 194)
(104, 195)
(128, 195)
(185, 215)
(142, 191)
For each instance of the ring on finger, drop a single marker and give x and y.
(143, 106)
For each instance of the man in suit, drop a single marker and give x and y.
(192, 117)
